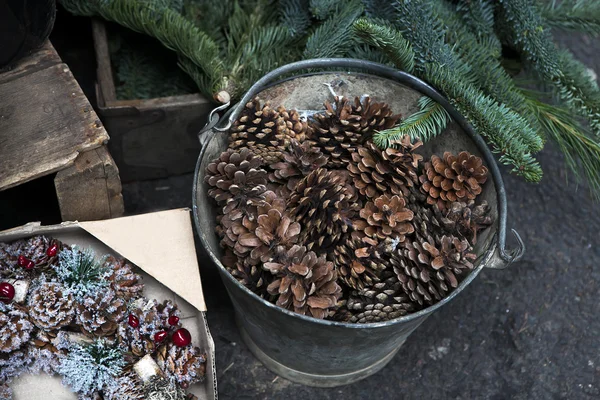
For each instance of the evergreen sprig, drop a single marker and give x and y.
(80, 272)
(295, 16)
(425, 124)
(572, 15)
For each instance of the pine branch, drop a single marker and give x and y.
(295, 15)
(425, 124)
(582, 152)
(572, 15)
(389, 40)
(333, 38)
(478, 16)
(380, 9)
(322, 9)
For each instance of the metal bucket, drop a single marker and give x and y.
(327, 353)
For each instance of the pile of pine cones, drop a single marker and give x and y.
(317, 219)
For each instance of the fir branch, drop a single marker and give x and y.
(380, 9)
(389, 40)
(425, 124)
(322, 9)
(333, 37)
(295, 16)
(572, 15)
(478, 16)
(80, 272)
(363, 51)
(581, 150)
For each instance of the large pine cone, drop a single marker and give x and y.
(296, 125)
(324, 206)
(343, 126)
(392, 171)
(264, 131)
(123, 280)
(385, 217)
(453, 178)
(153, 317)
(187, 365)
(300, 161)
(50, 307)
(99, 314)
(305, 283)
(248, 272)
(237, 180)
(15, 327)
(359, 262)
(467, 219)
(383, 301)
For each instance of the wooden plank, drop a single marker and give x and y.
(42, 58)
(104, 69)
(90, 189)
(45, 122)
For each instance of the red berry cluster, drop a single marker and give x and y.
(181, 337)
(29, 264)
(7, 292)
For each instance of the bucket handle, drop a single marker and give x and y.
(502, 258)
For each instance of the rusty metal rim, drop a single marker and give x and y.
(380, 71)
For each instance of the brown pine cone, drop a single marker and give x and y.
(100, 314)
(263, 131)
(354, 264)
(300, 161)
(343, 126)
(297, 127)
(404, 161)
(389, 172)
(383, 301)
(123, 280)
(387, 216)
(237, 181)
(153, 317)
(467, 219)
(187, 365)
(324, 207)
(50, 307)
(248, 272)
(305, 283)
(15, 327)
(452, 178)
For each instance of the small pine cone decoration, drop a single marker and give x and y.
(186, 364)
(383, 301)
(324, 207)
(50, 306)
(374, 174)
(123, 280)
(99, 314)
(153, 317)
(386, 216)
(15, 327)
(343, 126)
(127, 386)
(452, 178)
(34, 249)
(263, 131)
(300, 161)
(237, 180)
(467, 219)
(305, 283)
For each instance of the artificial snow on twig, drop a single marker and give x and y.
(80, 272)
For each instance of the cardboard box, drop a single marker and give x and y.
(161, 245)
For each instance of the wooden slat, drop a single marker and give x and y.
(104, 70)
(90, 189)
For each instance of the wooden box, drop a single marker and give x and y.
(152, 138)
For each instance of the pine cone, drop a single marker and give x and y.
(404, 161)
(248, 272)
(186, 364)
(387, 216)
(99, 314)
(237, 181)
(263, 131)
(467, 219)
(127, 386)
(390, 172)
(305, 283)
(343, 126)
(50, 307)
(123, 280)
(297, 127)
(34, 249)
(300, 161)
(352, 260)
(15, 327)
(153, 317)
(324, 207)
(453, 178)
(383, 301)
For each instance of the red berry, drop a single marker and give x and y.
(134, 321)
(7, 292)
(173, 320)
(160, 336)
(22, 261)
(52, 250)
(182, 337)
(30, 265)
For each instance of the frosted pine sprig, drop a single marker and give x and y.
(81, 273)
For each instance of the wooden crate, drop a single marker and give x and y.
(48, 126)
(152, 138)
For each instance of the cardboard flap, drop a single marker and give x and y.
(156, 243)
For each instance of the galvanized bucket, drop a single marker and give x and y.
(327, 353)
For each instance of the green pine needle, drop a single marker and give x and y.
(572, 15)
(425, 124)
